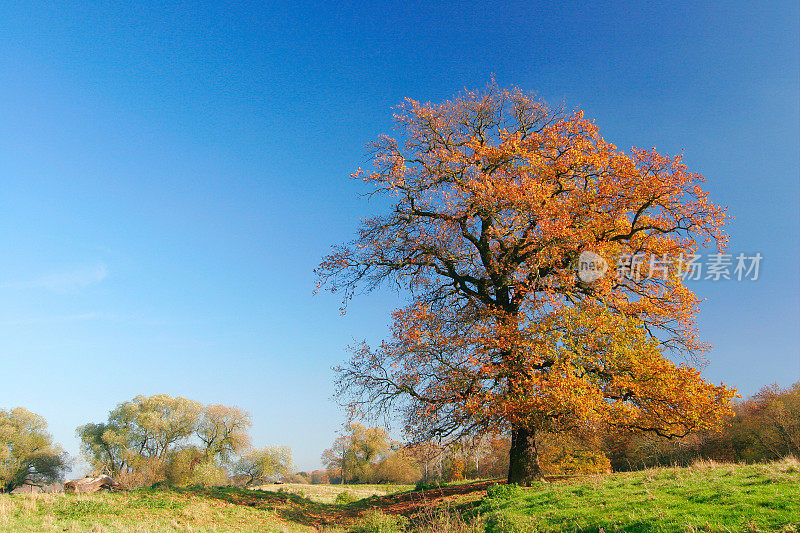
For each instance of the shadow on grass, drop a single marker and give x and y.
(285, 505)
(295, 508)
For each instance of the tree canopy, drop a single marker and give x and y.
(155, 437)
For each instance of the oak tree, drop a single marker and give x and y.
(494, 196)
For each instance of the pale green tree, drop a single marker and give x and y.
(355, 453)
(223, 432)
(27, 453)
(261, 464)
(140, 434)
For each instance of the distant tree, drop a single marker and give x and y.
(336, 457)
(428, 455)
(299, 477)
(320, 477)
(223, 432)
(457, 468)
(767, 426)
(140, 434)
(262, 464)
(398, 467)
(495, 460)
(354, 454)
(27, 453)
(493, 197)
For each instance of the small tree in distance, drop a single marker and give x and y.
(355, 454)
(263, 464)
(494, 197)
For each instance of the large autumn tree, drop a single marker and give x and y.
(493, 198)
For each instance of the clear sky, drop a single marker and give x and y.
(171, 175)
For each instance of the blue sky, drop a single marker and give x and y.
(171, 175)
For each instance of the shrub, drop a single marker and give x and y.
(259, 465)
(208, 474)
(503, 492)
(181, 464)
(422, 485)
(398, 467)
(436, 519)
(343, 498)
(576, 462)
(297, 478)
(142, 473)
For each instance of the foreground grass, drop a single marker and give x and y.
(138, 511)
(706, 497)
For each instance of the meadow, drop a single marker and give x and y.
(704, 497)
(330, 493)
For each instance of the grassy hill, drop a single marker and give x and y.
(705, 497)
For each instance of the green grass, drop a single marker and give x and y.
(137, 511)
(706, 497)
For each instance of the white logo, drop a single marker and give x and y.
(591, 266)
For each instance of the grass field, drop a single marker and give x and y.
(705, 497)
(328, 493)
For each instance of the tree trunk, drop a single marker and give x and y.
(523, 467)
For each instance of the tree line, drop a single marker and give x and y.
(763, 428)
(144, 441)
(174, 440)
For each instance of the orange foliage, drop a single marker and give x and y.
(494, 197)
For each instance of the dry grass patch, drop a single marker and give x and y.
(329, 493)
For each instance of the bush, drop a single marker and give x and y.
(577, 462)
(422, 485)
(143, 473)
(209, 475)
(180, 466)
(765, 427)
(503, 492)
(396, 468)
(343, 498)
(297, 479)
